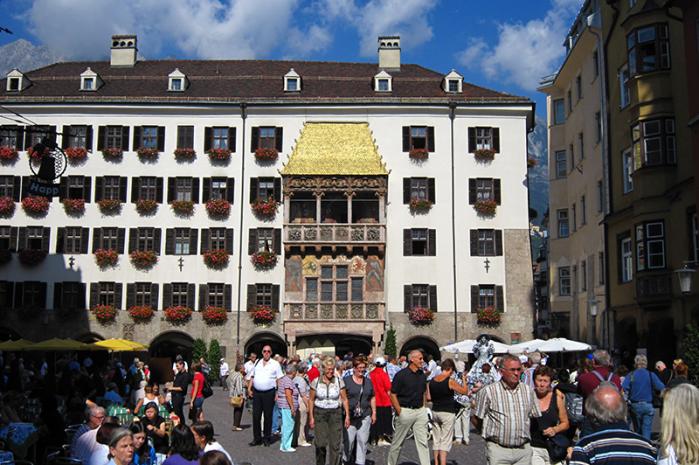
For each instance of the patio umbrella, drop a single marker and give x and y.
(19, 344)
(57, 345)
(561, 344)
(526, 346)
(120, 345)
(466, 347)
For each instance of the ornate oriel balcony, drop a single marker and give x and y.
(327, 311)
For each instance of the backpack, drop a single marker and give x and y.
(609, 378)
(574, 407)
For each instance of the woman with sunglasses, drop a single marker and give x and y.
(327, 401)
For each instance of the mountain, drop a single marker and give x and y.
(539, 175)
(25, 56)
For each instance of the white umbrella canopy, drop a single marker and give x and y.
(466, 347)
(561, 344)
(527, 346)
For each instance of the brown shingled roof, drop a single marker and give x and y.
(243, 80)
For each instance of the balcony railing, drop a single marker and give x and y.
(350, 311)
(653, 288)
(335, 233)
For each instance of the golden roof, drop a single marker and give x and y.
(335, 149)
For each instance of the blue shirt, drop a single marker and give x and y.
(640, 384)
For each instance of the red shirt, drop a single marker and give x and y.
(200, 377)
(588, 382)
(313, 373)
(382, 386)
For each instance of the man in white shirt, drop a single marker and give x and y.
(223, 372)
(262, 387)
(85, 439)
(249, 364)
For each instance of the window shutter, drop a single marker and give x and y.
(431, 194)
(52, 134)
(167, 295)
(22, 238)
(204, 241)
(252, 241)
(498, 242)
(171, 189)
(42, 292)
(206, 191)
(279, 138)
(230, 190)
(407, 297)
(124, 138)
(229, 241)
(159, 190)
(231, 139)
(101, 137)
(157, 237)
(275, 297)
(57, 294)
(135, 187)
(122, 189)
(433, 298)
(45, 239)
(228, 297)
(87, 189)
(475, 292)
(430, 139)
(195, 190)
(19, 294)
(130, 295)
(191, 289)
(84, 238)
(20, 138)
(99, 188)
(94, 294)
(118, 290)
(278, 241)
(252, 296)
(471, 140)
(193, 239)
(154, 296)
(254, 138)
(471, 191)
(207, 139)
(407, 243)
(13, 238)
(203, 296)
(25, 186)
(63, 189)
(169, 241)
(65, 140)
(253, 189)
(121, 240)
(474, 242)
(499, 299)
(496, 191)
(406, 138)
(161, 138)
(81, 296)
(96, 239)
(16, 187)
(406, 190)
(496, 140)
(59, 240)
(432, 242)
(278, 189)
(88, 139)
(133, 239)
(136, 137)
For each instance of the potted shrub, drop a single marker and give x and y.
(104, 313)
(35, 205)
(76, 154)
(147, 153)
(214, 315)
(264, 259)
(31, 257)
(182, 207)
(141, 313)
(106, 257)
(263, 154)
(109, 206)
(485, 207)
(420, 205)
(420, 316)
(74, 206)
(264, 207)
(185, 154)
(262, 315)
(8, 154)
(217, 258)
(7, 206)
(143, 259)
(112, 153)
(178, 314)
(5, 256)
(218, 208)
(484, 154)
(419, 154)
(219, 154)
(488, 316)
(146, 206)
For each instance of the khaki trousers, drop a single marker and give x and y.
(498, 455)
(415, 418)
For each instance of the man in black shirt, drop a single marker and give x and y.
(408, 400)
(179, 389)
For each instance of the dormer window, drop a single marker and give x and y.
(176, 84)
(382, 82)
(16, 81)
(89, 84)
(453, 83)
(292, 81)
(89, 81)
(177, 81)
(13, 83)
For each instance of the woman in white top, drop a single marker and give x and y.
(203, 432)
(679, 436)
(328, 396)
(100, 455)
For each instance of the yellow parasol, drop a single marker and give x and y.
(57, 344)
(19, 344)
(120, 345)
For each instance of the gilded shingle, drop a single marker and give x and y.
(335, 149)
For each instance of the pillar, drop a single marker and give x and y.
(350, 195)
(319, 196)
(287, 207)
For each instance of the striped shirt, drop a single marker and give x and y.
(506, 412)
(285, 383)
(613, 445)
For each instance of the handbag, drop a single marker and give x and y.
(557, 447)
(357, 410)
(236, 401)
(206, 391)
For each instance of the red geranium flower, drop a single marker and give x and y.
(263, 154)
(141, 313)
(214, 315)
(109, 206)
(104, 313)
(262, 315)
(185, 154)
(75, 153)
(263, 259)
(74, 206)
(145, 206)
(8, 153)
(178, 314)
(35, 205)
(419, 154)
(143, 259)
(219, 154)
(420, 316)
(265, 208)
(485, 207)
(217, 258)
(7, 206)
(488, 316)
(106, 257)
(219, 208)
(183, 207)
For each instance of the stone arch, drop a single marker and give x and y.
(261, 338)
(425, 343)
(162, 351)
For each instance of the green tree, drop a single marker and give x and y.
(690, 352)
(214, 360)
(390, 344)
(198, 350)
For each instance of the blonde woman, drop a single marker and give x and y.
(679, 436)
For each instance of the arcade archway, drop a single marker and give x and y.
(163, 350)
(424, 343)
(333, 344)
(258, 340)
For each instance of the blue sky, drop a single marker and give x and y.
(505, 45)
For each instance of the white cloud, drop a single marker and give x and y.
(524, 52)
(304, 43)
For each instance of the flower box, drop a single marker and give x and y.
(419, 154)
(104, 313)
(214, 315)
(219, 154)
(484, 154)
(264, 259)
(178, 315)
(263, 154)
(8, 153)
(30, 257)
(35, 205)
(112, 153)
(146, 206)
(147, 153)
(262, 315)
(218, 208)
(485, 207)
(76, 154)
(106, 257)
(141, 313)
(420, 205)
(185, 154)
(37, 156)
(488, 316)
(7, 206)
(265, 208)
(217, 258)
(5, 256)
(143, 259)
(74, 206)
(183, 207)
(420, 316)
(109, 206)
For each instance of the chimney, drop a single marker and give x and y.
(123, 51)
(389, 53)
